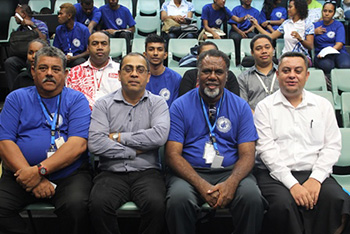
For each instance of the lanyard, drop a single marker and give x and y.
(54, 121)
(263, 84)
(211, 127)
(68, 40)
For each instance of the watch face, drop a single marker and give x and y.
(42, 171)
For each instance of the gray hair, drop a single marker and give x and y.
(51, 51)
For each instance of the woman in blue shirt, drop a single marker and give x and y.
(271, 15)
(330, 33)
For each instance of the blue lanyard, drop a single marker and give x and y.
(48, 116)
(68, 41)
(211, 127)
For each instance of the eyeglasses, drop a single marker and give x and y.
(139, 69)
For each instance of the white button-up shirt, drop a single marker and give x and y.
(171, 9)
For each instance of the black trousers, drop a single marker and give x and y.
(13, 66)
(284, 216)
(70, 201)
(111, 190)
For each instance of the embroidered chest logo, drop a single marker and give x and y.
(331, 34)
(218, 22)
(76, 42)
(119, 21)
(278, 14)
(87, 22)
(165, 93)
(223, 124)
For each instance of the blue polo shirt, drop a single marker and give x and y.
(165, 85)
(76, 39)
(22, 121)
(240, 11)
(116, 19)
(188, 126)
(276, 14)
(215, 17)
(335, 33)
(81, 17)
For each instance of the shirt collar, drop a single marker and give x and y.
(272, 71)
(88, 64)
(118, 96)
(173, 3)
(307, 99)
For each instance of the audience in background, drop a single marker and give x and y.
(314, 10)
(71, 37)
(87, 14)
(330, 33)
(272, 16)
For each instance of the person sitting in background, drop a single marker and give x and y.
(177, 10)
(98, 76)
(71, 37)
(272, 16)
(243, 29)
(118, 21)
(87, 14)
(190, 80)
(330, 33)
(314, 10)
(214, 15)
(298, 33)
(25, 78)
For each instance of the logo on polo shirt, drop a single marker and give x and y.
(59, 118)
(113, 75)
(76, 42)
(119, 21)
(87, 21)
(218, 22)
(165, 93)
(278, 14)
(223, 124)
(331, 34)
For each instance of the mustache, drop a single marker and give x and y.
(49, 79)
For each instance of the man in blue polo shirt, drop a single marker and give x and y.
(71, 37)
(118, 21)
(211, 152)
(87, 14)
(164, 81)
(43, 142)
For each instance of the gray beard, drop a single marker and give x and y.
(212, 93)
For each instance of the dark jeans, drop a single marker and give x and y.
(332, 61)
(70, 201)
(111, 190)
(237, 40)
(13, 66)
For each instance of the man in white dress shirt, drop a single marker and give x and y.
(299, 142)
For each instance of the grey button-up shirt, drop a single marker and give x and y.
(250, 87)
(144, 126)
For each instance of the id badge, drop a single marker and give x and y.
(70, 54)
(217, 161)
(59, 142)
(209, 152)
(50, 152)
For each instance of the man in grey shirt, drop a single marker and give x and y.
(127, 128)
(259, 81)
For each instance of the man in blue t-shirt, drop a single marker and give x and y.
(71, 37)
(87, 14)
(244, 29)
(118, 21)
(164, 81)
(210, 151)
(43, 142)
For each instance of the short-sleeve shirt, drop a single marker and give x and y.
(84, 18)
(240, 11)
(165, 85)
(76, 39)
(22, 121)
(215, 17)
(303, 27)
(171, 9)
(276, 14)
(335, 32)
(188, 126)
(116, 19)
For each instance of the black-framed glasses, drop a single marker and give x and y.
(139, 69)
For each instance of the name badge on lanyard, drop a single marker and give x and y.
(268, 92)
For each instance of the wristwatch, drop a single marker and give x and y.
(268, 22)
(115, 137)
(42, 170)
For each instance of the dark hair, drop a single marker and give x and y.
(51, 51)
(39, 40)
(213, 53)
(26, 9)
(70, 9)
(294, 54)
(332, 3)
(87, 2)
(154, 38)
(301, 7)
(267, 8)
(103, 32)
(200, 47)
(257, 37)
(135, 54)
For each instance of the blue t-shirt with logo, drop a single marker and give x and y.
(215, 17)
(335, 32)
(116, 19)
(240, 11)
(85, 19)
(76, 39)
(165, 85)
(188, 126)
(276, 14)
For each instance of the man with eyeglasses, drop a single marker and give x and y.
(127, 128)
(99, 75)
(211, 153)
